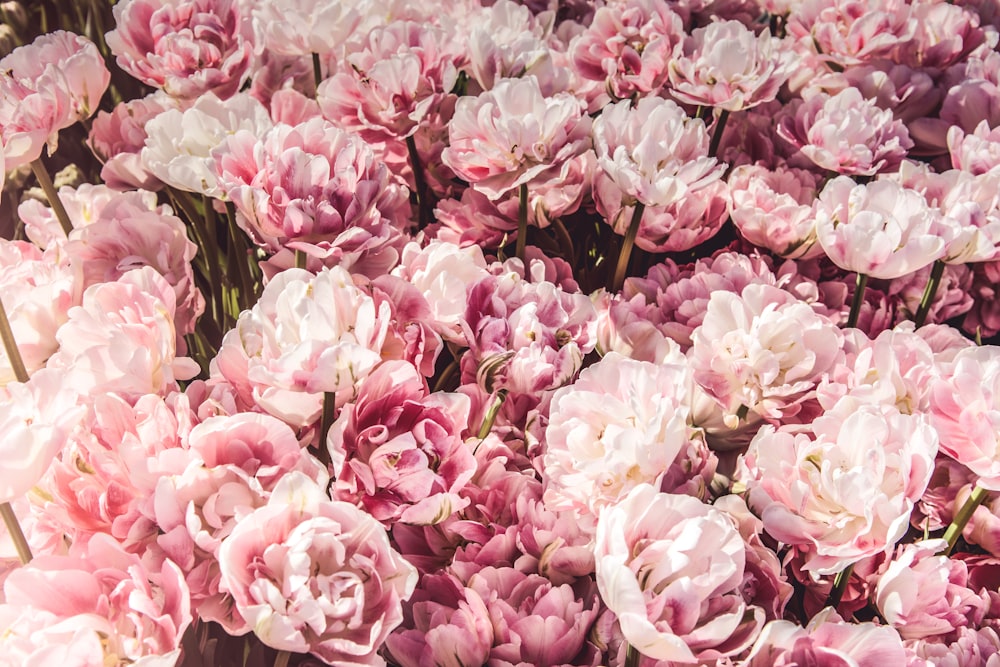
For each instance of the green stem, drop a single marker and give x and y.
(420, 182)
(282, 659)
(491, 414)
(50, 193)
(632, 657)
(16, 534)
(839, 586)
(325, 422)
(859, 298)
(10, 346)
(720, 126)
(928, 298)
(317, 71)
(626, 252)
(522, 222)
(957, 525)
(300, 259)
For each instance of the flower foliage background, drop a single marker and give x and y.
(618, 332)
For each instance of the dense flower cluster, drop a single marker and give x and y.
(637, 333)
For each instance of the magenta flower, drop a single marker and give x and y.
(512, 134)
(185, 47)
(727, 66)
(846, 134)
(46, 86)
(313, 575)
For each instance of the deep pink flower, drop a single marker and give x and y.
(185, 47)
(314, 575)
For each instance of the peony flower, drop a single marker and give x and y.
(849, 32)
(774, 209)
(304, 27)
(512, 134)
(846, 134)
(726, 66)
(628, 46)
(879, 229)
(621, 424)
(186, 47)
(670, 568)
(46, 86)
(313, 575)
(117, 138)
(845, 491)
(976, 152)
(653, 152)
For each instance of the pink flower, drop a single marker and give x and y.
(846, 134)
(313, 575)
(512, 134)
(725, 65)
(670, 568)
(621, 424)
(312, 184)
(628, 46)
(849, 32)
(43, 639)
(46, 86)
(475, 220)
(880, 229)
(773, 208)
(653, 152)
(827, 640)
(945, 35)
(118, 138)
(387, 86)
(185, 47)
(845, 491)
(763, 351)
(965, 410)
(977, 152)
(303, 27)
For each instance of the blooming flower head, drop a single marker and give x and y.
(849, 32)
(304, 27)
(879, 229)
(46, 86)
(774, 209)
(846, 133)
(118, 138)
(511, 134)
(653, 152)
(185, 47)
(669, 567)
(314, 575)
(726, 66)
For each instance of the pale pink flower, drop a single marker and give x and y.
(37, 292)
(513, 134)
(845, 491)
(122, 338)
(386, 86)
(621, 424)
(849, 32)
(965, 410)
(980, 646)
(179, 143)
(308, 334)
(653, 152)
(773, 208)
(304, 27)
(623, 327)
(945, 35)
(313, 184)
(313, 575)
(475, 220)
(670, 567)
(139, 613)
(910, 94)
(37, 418)
(46, 86)
(879, 229)
(976, 152)
(185, 47)
(43, 639)
(924, 594)
(846, 133)
(827, 640)
(726, 66)
(118, 138)
(628, 46)
(763, 351)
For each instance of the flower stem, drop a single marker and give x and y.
(420, 182)
(50, 193)
(522, 222)
(632, 657)
(317, 71)
(491, 414)
(839, 586)
(10, 347)
(16, 534)
(859, 298)
(300, 259)
(720, 126)
(282, 659)
(626, 252)
(325, 422)
(928, 298)
(957, 525)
